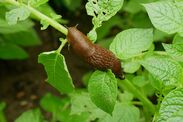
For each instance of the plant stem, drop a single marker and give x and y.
(41, 16)
(129, 86)
(63, 42)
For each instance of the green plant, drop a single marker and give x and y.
(148, 70)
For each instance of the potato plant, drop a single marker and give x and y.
(149, 70)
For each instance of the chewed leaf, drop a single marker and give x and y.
(164, 69)
(171, 106)
(165, 16)
(56, 68)
(103, 90)
(102, 10)
(17, 14)
(131, 42)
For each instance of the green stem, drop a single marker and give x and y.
(129, 86)
(41, 16)
(63, 42)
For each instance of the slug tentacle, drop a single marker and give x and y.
(93, 54)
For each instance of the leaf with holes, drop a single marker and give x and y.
(17, 14)
(56, 68)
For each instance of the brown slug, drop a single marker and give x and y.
(93, 54)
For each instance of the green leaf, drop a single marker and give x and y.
(81, 103)
(165, 16)
(37, 3)
(125, 113)
(103, 90)
(140, 80)
(125, 97)
(5, 28)
(23, 38)
(175, 50)
(92, 35)
(164, 69)
(176, 117)
(56, 68)
(131, 66)
(30, 116)
(171, 105)
(131, 42)
(17, 14)
(53, 104)
(102, 10)
(11, 51)
(2, 116)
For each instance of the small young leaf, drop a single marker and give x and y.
(56, 68)
(175, 50)
(165, 16)
(131, 66)
(30, 116)
(171, 105)
(164, 69)
(103, 90)
(11, 51)
(45, 25)
(17, 14)
(131, 42)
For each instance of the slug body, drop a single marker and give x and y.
(93, 54)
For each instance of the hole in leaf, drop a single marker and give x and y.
(104, 13)
(95, 13)
(94, 2)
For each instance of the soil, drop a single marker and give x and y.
(23, 81)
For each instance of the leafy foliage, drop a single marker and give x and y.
(150, 68)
